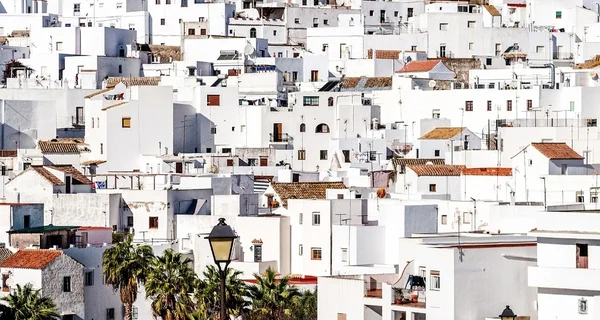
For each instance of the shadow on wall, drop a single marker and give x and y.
(14, 138)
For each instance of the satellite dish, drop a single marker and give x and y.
(249, 49)
(339, 2)
(432, 83)
(593, 74)
(9, 282)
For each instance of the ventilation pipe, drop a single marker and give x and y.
(552, 73)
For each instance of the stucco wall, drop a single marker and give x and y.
(52, 279)
(86, 209)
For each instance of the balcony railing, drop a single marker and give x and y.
(409, 298)
(562, 56)
(280, 138)
(77, 121)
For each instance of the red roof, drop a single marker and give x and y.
(506, 172)
(31, 259)
(557, 151)
(420, 66)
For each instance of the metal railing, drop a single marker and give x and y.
(542, 122)
(282, 137)
(562, 56)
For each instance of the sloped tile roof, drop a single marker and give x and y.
(5, 253)
(556, 150)
(31, 259)
(384, 54)
(132, 81)
(399, 162)
(350, 82)
(504, 172)
(419, 66)
(78, 177)
(46, 174)
(93, 94)
(72, 146)
(492, 10)
(304, 190)
(436, 170)
(378, 82)
(442, 133)
(114, 105)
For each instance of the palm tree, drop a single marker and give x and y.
(126, 267)
(209, 292)
(170, 286)
(28, 304)
(272, 298)
(305, 306)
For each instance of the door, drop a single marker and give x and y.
(178, 167)
(79, 115)
(264, 161)
(277, 132)
(68, 181)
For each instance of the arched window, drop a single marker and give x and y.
(330, 101)
(322, 128)
(302, 127)
(253, 33)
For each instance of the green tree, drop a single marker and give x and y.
(208, 292)
(126, 266)
(11, 68)
(28, 304)
(304, 306)
(170, 286)
(272, 298)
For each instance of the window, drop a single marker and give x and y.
(529, 105)
(157, 2)
(300, 218)
(558, 14)
(314, 75)
(213, 100)
(316, 219)
(102, 148)
(409, 12)
(583, 306)
(125, 122)
(346, 156)
(468, 105)
(184, 3)
(130, 221)
(153, 222)
(435, 113)
(89, 278)
(330, 102)
(489, 105)
(274, 32)
(442, 53)
(371, 12)
(76, 8)
(5, 287)
(120, 68)
(315, 253)
(539, 49)
(581, 255)
(300, 249)
(302, 127)
(471, 24)
(230, 162)
(162, 22)
(301, 154)
(119, 5)
(463, 9)
(67, 284)
(168, 1)
(508, 105)
(310, 101)
(252, 32)
(257, 253)
(467, 217)
(471, 46)
(443, 27)
(436, 153)
(59, 46)
(323, 155)
(435, 280)
(498, 48)
(294, 75)
(191, 32)
(26, 221)
(563, 169)
(297, 20)
(326, 22)
(202, 32)
(432, 188)
(344, 254)
(315, 22)
(579, 197)
(395, 14)
(444, 219)
(322, 128)
(110, 314)
(264, 161)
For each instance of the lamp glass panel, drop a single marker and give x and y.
(221, 249)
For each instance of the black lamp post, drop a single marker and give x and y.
(221, 244)
(508, 314)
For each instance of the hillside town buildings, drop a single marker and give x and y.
(422, 159)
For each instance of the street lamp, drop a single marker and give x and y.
(508, 314)
(221, 244)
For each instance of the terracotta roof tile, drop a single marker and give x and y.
(304, 190)
(556, 150)
(419, 66)
(442, 133)
(350, 82)
(31, 259)
(72, 146)
(47, 174)
(400, 164)
(114, 105)
(505, 172)
(132, 81)
(378, 82)
(436, 170)
(384, 54)
(78, 177)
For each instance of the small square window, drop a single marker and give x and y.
(558, 14)
(110, 314)
(371, 12)
(443, 27)
(297, 20)
(396, 14)
(66, 284)
(432, 188)
(300, 250)
(162, 22)
(508, 105)
(326, 22)
(468, 105)
(471, 24)
(301, 154)
(315, 254)
(435, 280)
(323, 155)
(125, 122)
(471, 46)
(444, 219)
(316, 219)
(436, 153)
(489, 105)
(344, 254)
(153, 222)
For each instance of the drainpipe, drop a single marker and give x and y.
(2, 107)
(552, 72)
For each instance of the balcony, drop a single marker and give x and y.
(280, 138)
(562, 56)
(409, 298)
(77, 122)
(564, 278)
